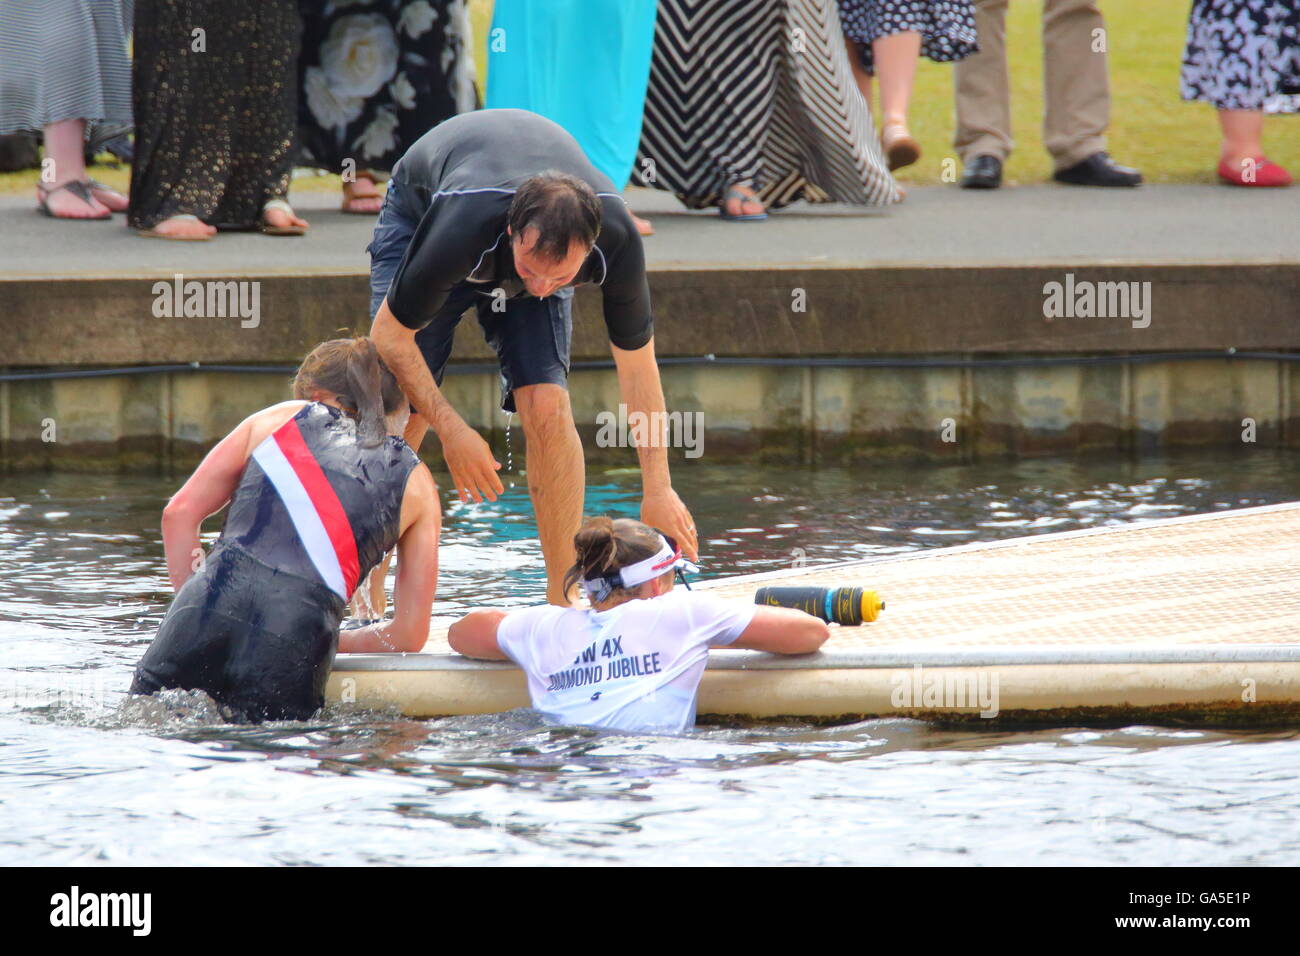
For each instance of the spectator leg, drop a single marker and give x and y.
(983, 89)
(1076, 84)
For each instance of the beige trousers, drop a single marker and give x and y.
(1076, 88)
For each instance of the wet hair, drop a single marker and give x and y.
(605, 545)
(352, 370)
(562, 208)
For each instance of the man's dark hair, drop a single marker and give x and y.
(562, 208)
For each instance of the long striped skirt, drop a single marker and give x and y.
(62, 60)
(757, 92)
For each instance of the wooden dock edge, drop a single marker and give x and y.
(1242, 691)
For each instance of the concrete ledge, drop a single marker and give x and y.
(781, 413)
(948, 275)
(751, 311)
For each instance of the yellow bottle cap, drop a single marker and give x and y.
(871, 605)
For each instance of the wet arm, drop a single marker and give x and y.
(396, 345)
(417, 576)
(475, 634)
(208, 490)
(642, 391)
(783, 630)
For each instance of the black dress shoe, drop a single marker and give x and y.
(1098, 170)
(982, 172)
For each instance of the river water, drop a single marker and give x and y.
(89, 778)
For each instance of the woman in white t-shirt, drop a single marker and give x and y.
(634, 660)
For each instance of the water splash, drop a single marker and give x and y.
(510, 451)
(361, 606)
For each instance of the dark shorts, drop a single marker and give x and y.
(531, 336)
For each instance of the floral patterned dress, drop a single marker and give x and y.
(376, 75)
(1244, 55)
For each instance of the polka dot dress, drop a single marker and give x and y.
(947, 27)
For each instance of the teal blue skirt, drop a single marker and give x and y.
(583, 64)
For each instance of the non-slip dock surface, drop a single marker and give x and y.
(1226, 578)
(1197, 613)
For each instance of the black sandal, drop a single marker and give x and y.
(78, 188)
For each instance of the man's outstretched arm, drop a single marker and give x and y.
(642, 391)
(469, 458)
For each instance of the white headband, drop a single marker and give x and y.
(666, 559)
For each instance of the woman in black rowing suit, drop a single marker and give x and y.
(319, 489)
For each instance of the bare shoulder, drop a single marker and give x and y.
(264, 422)
(420, 496)
(420, 481)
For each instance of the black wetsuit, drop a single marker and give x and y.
(440, 248)
(460, 178)
(257, 625)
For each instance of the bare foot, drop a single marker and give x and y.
(183, 227)
(71, 200)
(278, 218)
(109, 196)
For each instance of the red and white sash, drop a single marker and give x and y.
(313, 506)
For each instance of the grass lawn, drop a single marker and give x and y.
(1151, 128)
(1170, 140)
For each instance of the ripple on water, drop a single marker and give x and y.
(90, 777)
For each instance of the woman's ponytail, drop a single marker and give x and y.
(366, 388)
(604, 545)
(351, 371)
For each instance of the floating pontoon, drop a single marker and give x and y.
(1185, 619)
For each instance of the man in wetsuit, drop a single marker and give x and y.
(500, 209)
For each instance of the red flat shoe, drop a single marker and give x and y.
(1257, 172)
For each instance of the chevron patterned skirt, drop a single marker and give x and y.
(757, 92)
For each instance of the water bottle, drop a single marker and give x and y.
(848, 606)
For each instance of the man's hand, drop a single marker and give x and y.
(662, 509)
(473, 469)
(638, 379)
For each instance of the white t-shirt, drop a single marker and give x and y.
(634, 667)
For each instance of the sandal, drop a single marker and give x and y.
(80, 189)
(97, 186)
(900, 149)
(349, 201)
(153, 233)
(734, 192)
(281, 206)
